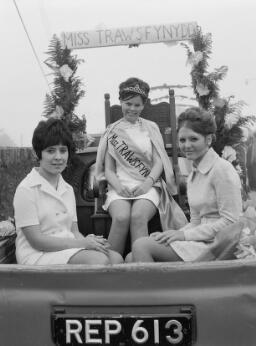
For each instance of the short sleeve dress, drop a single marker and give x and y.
(36, 202)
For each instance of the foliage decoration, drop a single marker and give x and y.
(66, 87)
(204, 84)
(231, 142)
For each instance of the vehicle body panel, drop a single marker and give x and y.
(223, 294)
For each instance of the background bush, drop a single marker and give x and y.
(15, 164)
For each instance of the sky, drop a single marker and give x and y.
(25, 80)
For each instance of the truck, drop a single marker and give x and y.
(205, 303)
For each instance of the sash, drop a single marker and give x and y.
(128, 154)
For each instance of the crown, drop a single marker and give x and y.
(136, 89)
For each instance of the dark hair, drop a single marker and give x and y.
(51, 132)
(133, 87)
(198, 120)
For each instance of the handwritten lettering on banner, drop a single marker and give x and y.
(127, 36)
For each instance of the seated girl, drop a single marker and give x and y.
(214, 196)
(45, 208)
(132, 157)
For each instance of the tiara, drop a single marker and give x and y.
(135, 89)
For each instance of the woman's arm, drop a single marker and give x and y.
(168, 236)
(229, 201)
(110, 174)
(194, 220)
(46, 243)
(75, 230)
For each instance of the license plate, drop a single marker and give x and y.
(122, 330)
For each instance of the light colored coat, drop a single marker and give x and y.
(214, 196)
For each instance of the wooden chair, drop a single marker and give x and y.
(164, 115)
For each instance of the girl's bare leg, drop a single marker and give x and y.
(89, 257)
(96, 257)
(120, 211)
(115, 257)
(128, 258)
(142, 211)
(148, 250)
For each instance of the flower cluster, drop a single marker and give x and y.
(57, 113)
(195, 58)
(229, 153)
(7, 228)
(246, 248)
(65, 72)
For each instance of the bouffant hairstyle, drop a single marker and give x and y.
(51, 132)
(198, 120)
(133, 87)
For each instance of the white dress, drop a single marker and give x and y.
(142, 140)
(36, 202)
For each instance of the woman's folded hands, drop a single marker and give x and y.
(136, 191)
(142, 188)
(97, 243)
(124, 191)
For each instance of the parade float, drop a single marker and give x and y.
(206, 303)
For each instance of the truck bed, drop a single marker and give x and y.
(221, 294)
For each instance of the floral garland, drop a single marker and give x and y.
(66, 91)
(233, 129)
(204, 84)
(7, 228)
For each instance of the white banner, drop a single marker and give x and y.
(128, 36)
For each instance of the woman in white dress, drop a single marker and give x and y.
(132, 157)
(45, 208)
(214, 196)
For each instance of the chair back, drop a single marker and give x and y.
(163, 114)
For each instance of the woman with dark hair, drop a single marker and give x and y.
(132, 158)
(214, 196)
(45, 208)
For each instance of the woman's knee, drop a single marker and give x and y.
(128, 258)
(121, 219)
(141, 244)
(142, 211)
(141, 217)
(142, 250)
(137, 217)
(89, 257)
(100, 258)
(115, 257)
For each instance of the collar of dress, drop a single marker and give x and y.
(207, 162)
(36, 179)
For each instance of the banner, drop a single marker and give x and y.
(128, 36)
